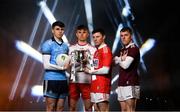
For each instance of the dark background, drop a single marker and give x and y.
(153, 19)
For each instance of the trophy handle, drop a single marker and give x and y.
(73, 69)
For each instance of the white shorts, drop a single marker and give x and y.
(99, 97)
(128, 92)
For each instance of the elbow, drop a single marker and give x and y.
(106, 70)
(46, 66)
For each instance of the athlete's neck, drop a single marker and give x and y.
(100, 46)
(59, 40)
(82, 43)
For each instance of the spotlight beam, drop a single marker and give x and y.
(34, 62)
(50, 17)
(48, 14)
(22, 65)
(88, 9)
(22, 46)
(117, 38)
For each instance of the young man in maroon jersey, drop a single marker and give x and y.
(101, 77)
(128, 86)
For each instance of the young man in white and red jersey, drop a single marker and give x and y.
(128, 87)
(81, 55)
(101, 77)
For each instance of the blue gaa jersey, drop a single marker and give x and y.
(53, 48)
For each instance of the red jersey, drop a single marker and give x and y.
(130, 76)
(101, 83)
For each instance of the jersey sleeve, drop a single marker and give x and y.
(92, 50)
(70, 50)
(133, 52)
(107, 57)
(67, 49)
(46, 48)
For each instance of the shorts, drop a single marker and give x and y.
(99, 97)
(128, 92)
(77, 89)
(57, 89)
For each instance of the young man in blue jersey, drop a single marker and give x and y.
(55, 87)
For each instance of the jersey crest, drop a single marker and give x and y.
(96, 63)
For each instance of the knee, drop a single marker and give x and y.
(72, 107)
(124, 109)
(60, 107)
(89, 108)
(50, 106)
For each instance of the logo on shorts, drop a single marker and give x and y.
(50, 92)
(128, 96)
(100, 99)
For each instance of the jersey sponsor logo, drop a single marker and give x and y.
(124, 52)
(96, 63)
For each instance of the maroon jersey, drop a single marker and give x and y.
(130, 76)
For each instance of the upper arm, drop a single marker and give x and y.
(107, 57)
(46, 48)
(46, 60)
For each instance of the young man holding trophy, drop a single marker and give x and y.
(81, 55)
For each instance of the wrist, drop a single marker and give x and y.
(62, 68)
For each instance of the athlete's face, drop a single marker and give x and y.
(82, 35)
(58, 32)
(125, 37)
(98, 38)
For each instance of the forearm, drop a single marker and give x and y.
(124, 63)
(103, 70)
(52, 67)
(48, 65)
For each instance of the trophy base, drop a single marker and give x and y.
(81, 70)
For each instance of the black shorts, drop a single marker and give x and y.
(57, 89)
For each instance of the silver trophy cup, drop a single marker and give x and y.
(81, 58)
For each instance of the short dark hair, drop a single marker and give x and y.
(58, 23)
(128, 29)
(100, 30)
(82, 27)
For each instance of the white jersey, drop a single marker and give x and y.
(78, 53)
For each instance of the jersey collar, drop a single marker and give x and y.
(102, 45)
(59, 42)
(131, 43)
